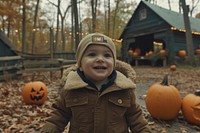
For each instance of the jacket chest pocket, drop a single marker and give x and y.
(117, 108)
(81, 111)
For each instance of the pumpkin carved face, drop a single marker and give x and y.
(191, 108)
(35, 93)
(196, 110)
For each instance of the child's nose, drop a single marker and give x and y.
(100, 59)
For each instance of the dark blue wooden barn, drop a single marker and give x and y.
(152, 28)
(6, 47)
(9, 58)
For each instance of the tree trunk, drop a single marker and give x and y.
(72, 32)
(108, 29)
(75, 9)
(169, 3)
(57, 27)
(51, 42)
(180, 6)
(189, 39)
(194, 5)
(94, 14)
(114, 18)
(62, 27)
(24, 46)
(34, 26)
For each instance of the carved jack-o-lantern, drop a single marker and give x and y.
(35, 93)
(191, 108)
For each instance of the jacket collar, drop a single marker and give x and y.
(74, 81)
(110, 80)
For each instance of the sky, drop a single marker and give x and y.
(162, 3)
(174, 5)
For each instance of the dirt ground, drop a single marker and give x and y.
(185, 79)
(16, 117)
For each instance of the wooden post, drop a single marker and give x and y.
(51, 46)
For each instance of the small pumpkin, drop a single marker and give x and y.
(163, 101)
(130, 51)
(138, 51)
(150, 52)
(35, 93)
(173, 67)
(182, 53)
(135, 54)
(197, 51)
(191, 108)
(163, 52)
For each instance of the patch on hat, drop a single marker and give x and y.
(98, 39)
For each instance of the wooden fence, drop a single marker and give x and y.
(12, 66)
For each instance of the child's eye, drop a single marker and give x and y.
(91, 54)
(108, 55)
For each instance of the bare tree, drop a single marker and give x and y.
(193, 6)
(180, 6)
(76, 21)
(34, 26)
(107, 16)
(24, 47)
(62, 16)
(62, 26)
(108, 28)
(189, 39)
(94, 14)
(114, 17)
(169, 3)
(58, 22)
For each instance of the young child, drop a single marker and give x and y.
(96, 97)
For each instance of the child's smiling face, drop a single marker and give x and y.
(97, 62)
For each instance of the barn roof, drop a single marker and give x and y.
(173, 18)
(7, 42)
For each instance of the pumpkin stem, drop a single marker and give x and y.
(165, 80)
(197, 92)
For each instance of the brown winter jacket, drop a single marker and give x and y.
(88, 111)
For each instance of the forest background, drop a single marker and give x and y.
(33, 26)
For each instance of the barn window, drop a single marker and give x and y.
(143, 14)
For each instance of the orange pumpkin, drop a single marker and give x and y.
(191, 108)
(130, 51)
(35, 93)
(135, 54)
(163, 52)
(182, 53)
(163, 101)
(173, 67)
(150, 52)
(197, 51)
(138, 51)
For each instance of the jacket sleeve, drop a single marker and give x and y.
(135, 117)
(59, 118)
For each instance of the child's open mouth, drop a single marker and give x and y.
(99, 67)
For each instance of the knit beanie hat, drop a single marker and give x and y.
(94, 38)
